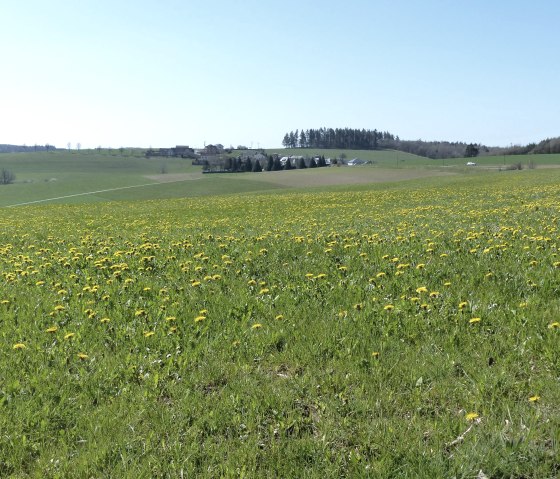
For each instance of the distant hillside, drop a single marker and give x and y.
(25, 149)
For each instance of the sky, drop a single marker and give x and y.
(143, 73)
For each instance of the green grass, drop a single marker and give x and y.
(323, 333)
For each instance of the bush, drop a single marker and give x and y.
(7, 177)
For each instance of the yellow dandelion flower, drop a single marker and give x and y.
(471, 416)
(203, 312)
(388, 307)
(434, 294)
(279, 317)
(140, 312)
(52, 329)
(256, 326)
(424, 306)
(342, 268)
(420, 266)
(195, 284)
(375, 354)
(321, 276)
(422, 289)
(534, 398)
(252, 282)
(147, 334)
(447, 284)
(358, 306)
(198, 319)
(264, 291)
(309, 275)
(69, 335)
(462, 305)
(5, 301)
(39, 283)
(170, 318)
(82, 356)
(104, 320)
(343, 314)
(172, 329)
(19, 346)
(474, 320)
(554, 325)
(380, 274)
(415, 299)
(59, 307)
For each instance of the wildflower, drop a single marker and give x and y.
(434, 294)
(198, 319)
(420, 266)
(422, 289)
(172, 329)
(264, 291)
(554, 325)
(414, 299)
(321, 276)
(82, 356)
(358, 306)
(52, 329)
(256, 326)
(462, 305)
(534, 398)
(19, 346)
(279, 317)
(380, 274)
(388, 307)
(69, 335)
(375, 354)
(203, 312)
(170, 318)
(104, 320)
(447, 284)
(252, 282)
(195, 284)
(471, 416)
(140, 312)
(474, 320)
(39, 283)
(147, 334)
(424, 306)
(342, 268)
(5, 301)
(59, 307)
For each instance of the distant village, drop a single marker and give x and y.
(217, 159)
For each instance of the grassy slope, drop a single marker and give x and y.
(41, 176)
(302, 395)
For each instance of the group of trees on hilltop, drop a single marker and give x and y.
(341, 138)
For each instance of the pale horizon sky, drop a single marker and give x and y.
(160, 73)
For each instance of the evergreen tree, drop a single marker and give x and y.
(249, 165)
(257, 166)
(269, 163)
(301, 163)
(288, 165)
(286, 141)
(302, 140)
(276, 165)
(312, 163)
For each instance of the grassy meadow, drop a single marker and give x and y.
(407, 329)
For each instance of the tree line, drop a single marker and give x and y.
(341, 138)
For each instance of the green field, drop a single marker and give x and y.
(403, 329)
(90, 177)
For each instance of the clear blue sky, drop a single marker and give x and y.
(159, 73)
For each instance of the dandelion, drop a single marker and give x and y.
(434, 294)
(534, 398)
(471, 416)
(198, 319)
(279, 317)
(194, 284)
(148, 334)
(554, 325)
(252, 282)
(104, 320)
(256, 326)
(5, 301)
(380, 274)
(69, 335)
(140, 312)
(321, 276)
(358, 306)
(447, 284)
(342, 268)
(388, 307)
(424, 306)
(170, 318)
(59, 307)
(420, 266)
(375, 354)
(82, 356)
(203, 312)
(19, 346)
(462, 305)
(422, 289)
(474, 320)
(264, 291)
(52, 329)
